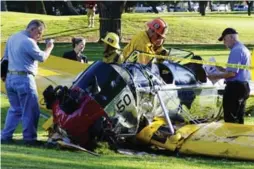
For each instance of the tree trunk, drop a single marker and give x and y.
(154, 8)
(250, 4)
(202, 7)
(210, 5)
(189, 6)
(34, 7)
(50, 7)
(175, 5)
(4, 6)
(129, 6)
(232, 4)
(29, 6)
(70, 8)
(40, 7)
(110, 13)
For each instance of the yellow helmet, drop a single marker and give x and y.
(112, 39)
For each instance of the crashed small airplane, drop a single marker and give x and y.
(166, 105)
(161, 104)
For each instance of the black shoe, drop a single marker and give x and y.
(34, 143)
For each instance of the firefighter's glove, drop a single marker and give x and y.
(164, 52)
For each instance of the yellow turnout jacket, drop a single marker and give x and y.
(141, 43)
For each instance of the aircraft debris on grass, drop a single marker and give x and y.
(134, 103)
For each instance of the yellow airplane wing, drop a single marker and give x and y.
(215, 139)
(222, 140)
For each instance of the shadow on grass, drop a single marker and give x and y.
(39, 157)
(230, 14)
(59, 163)
(250, 106)
(62, 33)
(29, 157)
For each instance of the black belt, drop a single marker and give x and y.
(19, 73)
(237, 82)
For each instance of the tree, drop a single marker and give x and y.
(34, 7)
(129, 6)
(250, 6)
(154, 8)
(232, 4)
(189, 6)
(171, 4)
(154, 4)
(3, 6)
(110, 13)
(70, 8)
(202, 7)
(40, 7)
(49, 6)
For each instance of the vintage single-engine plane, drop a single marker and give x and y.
(160, 104)
(164, 104)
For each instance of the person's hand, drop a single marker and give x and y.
(49, 47)
(134, 56)
(164, 52)
(50, 44)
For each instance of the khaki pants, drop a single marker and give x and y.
(90, 15)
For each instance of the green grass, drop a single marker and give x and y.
(23, 157)
(184, 28)
(54, 159)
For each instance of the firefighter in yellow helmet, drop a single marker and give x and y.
(111, 52)
(149, 41)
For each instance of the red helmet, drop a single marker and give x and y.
(159, 26)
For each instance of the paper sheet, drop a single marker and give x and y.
(212, 69)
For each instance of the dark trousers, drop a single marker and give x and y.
(234, 100)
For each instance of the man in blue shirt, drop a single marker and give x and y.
(237, 88)
(23, 54)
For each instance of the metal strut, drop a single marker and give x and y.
(171, 128)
